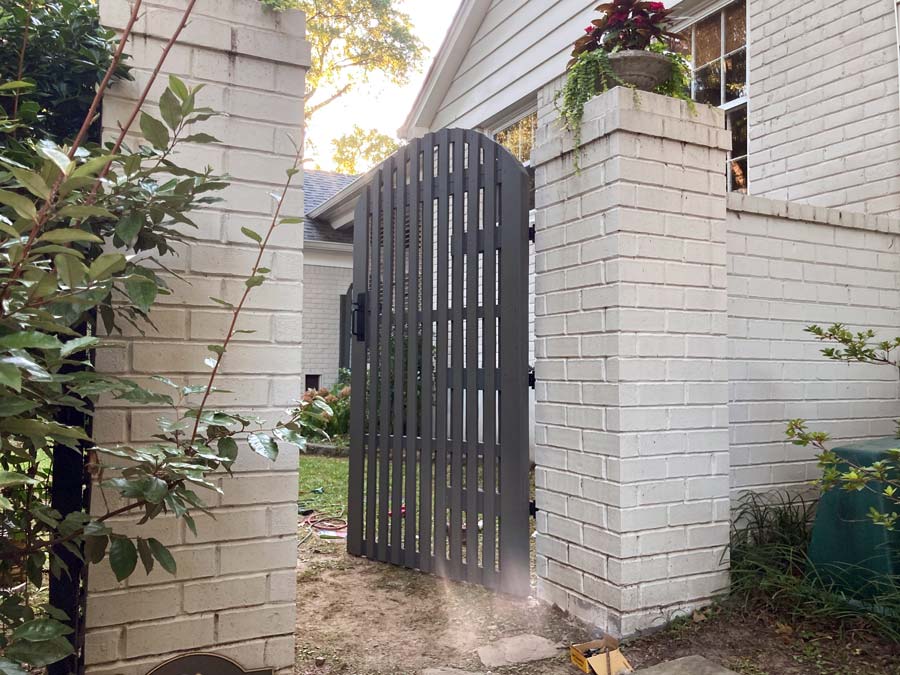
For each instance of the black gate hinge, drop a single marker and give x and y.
(532, 378)
(358, 318)
(531, 233)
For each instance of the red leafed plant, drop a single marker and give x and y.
(626, 24)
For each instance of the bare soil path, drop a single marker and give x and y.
(366, 618)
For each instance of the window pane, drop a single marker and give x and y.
(736, 26)
(736, 75)
(709, 39)
(519, 137)
(737, 123)
(738, 171)
(708, 84)
(683, 46)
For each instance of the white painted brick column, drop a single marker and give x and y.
(235, 591)
(632, 383)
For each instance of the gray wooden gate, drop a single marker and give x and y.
(439, 420)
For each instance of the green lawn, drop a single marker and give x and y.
(323, 484)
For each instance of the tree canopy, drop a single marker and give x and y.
(351, 41)
(362, 148)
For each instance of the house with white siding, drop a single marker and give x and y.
(675, 273)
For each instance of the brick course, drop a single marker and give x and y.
(243, 562)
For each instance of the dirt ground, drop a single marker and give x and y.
(366, 618)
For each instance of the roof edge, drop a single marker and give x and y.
(445, 65)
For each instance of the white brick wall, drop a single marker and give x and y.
(632, 417)
(824, 111)
(234, 592)
(671, 352)
(788, 267)
(322, 289)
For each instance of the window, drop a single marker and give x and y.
(717, 47)
(518, 137)
(313, 382)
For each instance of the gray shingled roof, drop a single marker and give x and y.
(319, 187)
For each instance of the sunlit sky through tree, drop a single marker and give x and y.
(381, 105)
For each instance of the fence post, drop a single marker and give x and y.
(235, 590)
(632, 383)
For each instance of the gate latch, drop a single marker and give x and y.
(532, 378)
(358, 318)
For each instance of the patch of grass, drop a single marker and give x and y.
(323, 484)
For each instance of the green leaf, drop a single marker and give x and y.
(250, 234)
(95, 548)
(228, 448)
(10, 376)
(39, 654)
(31, 182)
(141, 290)
(93, 166)
(291, 436)
(154, 131)
(130, 226)
(291, 220)
(11, 479)
(37, 428)
(71, 270)
(22, 205)
(78, 345)
(155, 490)
(84, 211)
(29, 339)
(50, 150)
(201, 138)
(146, 555)
(105, 266)
(16, 84)
(179, 87)
(69, 234)
(162, 554)
(262, 444)
(122, 557)
(170, 107)
(11, 406)
(41, 630)
(256, 280)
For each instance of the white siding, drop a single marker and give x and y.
(519, 47)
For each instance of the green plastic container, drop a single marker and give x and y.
(847, 549)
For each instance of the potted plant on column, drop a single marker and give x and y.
(629, 45)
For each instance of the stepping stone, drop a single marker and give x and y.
(447, 671)
(517, 649)
(689, 665)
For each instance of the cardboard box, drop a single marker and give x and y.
(608, 661)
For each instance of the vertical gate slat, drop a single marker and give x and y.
(489, 285)
(397, 187)
(444, 402)
(371, 366)
(384, 421)
(514, 550)
(355, 512)
(441, 329)
(411, 194)
(426, 149)
(472, 268)
(456, 346)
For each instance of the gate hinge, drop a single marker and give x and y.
(531, 233)
(532, 378)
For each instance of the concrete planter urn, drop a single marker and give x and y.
(641, 69)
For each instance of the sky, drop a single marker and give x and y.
(381, 105)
